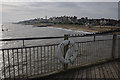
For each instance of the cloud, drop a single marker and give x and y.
(15, 11)
(60, 0)
(119, 10)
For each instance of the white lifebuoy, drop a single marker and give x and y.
(73, 50)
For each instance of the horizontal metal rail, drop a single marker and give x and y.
(50, 45)
(34, 38)
(70, 36)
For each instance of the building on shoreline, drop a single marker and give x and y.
(72, 20)
(63, 19)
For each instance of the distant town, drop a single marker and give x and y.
(72, 20)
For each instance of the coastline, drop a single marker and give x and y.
(85, 28)
(93, 29)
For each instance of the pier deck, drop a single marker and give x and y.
(109, 70)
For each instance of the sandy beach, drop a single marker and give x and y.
(86, 28)
(80, 27)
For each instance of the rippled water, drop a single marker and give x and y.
(22, 31)
(18, 30)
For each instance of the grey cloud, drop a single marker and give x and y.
(79, 9)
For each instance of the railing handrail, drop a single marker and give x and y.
(49, 45)
(36, 38)
(32, 38)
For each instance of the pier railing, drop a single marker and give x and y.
(37, 61)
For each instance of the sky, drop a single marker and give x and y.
(15, 11)
(59, 0)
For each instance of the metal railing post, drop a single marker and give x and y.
(65, 50)
(118, 48)
(94, 37)
(4, 71)
(114, 45)
(23, 43)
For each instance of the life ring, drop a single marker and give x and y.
(71, 53)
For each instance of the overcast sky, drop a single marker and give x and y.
(16, 11)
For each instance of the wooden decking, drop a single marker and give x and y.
(109, 70)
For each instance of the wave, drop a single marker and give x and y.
(72, 30)
(6, 37)
(85, 32)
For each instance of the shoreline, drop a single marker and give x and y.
(85, 28)
(73, 27)
(71, 30)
